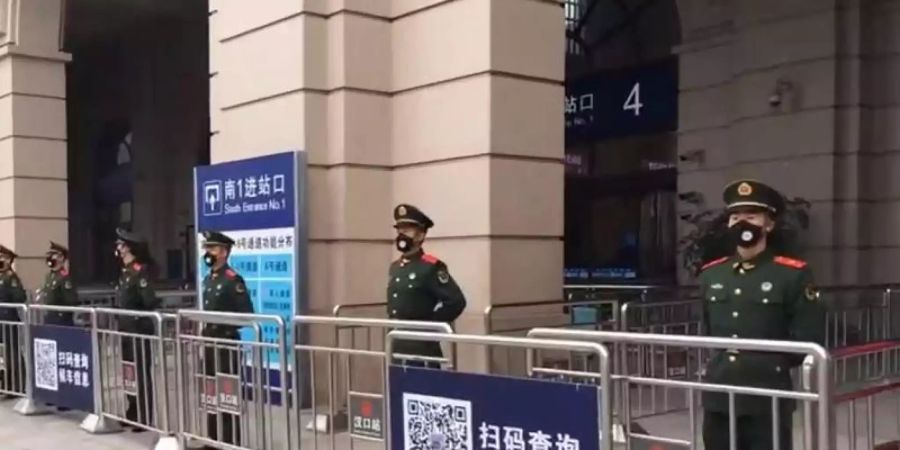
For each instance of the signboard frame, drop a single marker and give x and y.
(67, 379)
(299, 225)
(490, 410)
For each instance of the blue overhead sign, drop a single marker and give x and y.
(620, 103)
(441, 409)
(259, 204)
(248, 194)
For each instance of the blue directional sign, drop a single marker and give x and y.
(259, 203)
(441, 409)
(63, 372)
(619, 103)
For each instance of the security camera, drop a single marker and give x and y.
(782, 87)
(692, 197)
(697, 156)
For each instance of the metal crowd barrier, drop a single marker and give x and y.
(817, 361)
(867, 376)
(231, 392)
(14, 362)
(96, 422)
(249, 392)
(135, 369)
(856, 315)
(595, 314)
(170, 299)
(354, 377)
(600, 377)
(360, 310)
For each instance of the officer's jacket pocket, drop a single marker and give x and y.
(715, 296)
(774, 299)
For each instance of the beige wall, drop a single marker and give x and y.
(33, 198)
(453, 106)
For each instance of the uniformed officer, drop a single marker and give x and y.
(420, 286)
(134, 291)
(223, 290)
(11, 291)
(58, 289)
(755, 294)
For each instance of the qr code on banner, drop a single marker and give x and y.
(436, 423)
(45, 369)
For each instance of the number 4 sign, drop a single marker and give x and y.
(633, 102)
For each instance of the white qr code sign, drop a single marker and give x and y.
(436, 423)
(46, 375)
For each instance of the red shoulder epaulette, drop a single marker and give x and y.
(137, 267)
(230, 273)
(790, 262)
(430, 259)
(64, 272)
(713, 263)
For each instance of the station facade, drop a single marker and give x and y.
(456, 106)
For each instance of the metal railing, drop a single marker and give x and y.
(170, 299)
(353, 372)
(816, 358)
(352, 309)
(135, 366)
(14, 379)
(267, 389)
(595, 314)
(866, 375)
(230, 389)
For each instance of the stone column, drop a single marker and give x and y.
(454, 106)
(33, 160)
(478, 144)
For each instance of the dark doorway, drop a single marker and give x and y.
(138, 115)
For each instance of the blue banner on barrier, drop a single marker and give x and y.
(63, 366)
(433, 409)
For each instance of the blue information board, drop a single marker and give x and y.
(440, 409)
(63, 372)
(626, 102)
(259, 203)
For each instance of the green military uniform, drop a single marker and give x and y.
(420, 288)
(764, 297)
(135, 292)
(223, 290)
(11, 291)
(58, 289)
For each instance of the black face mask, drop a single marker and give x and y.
(745, 234)
(404, 243)
(51, 262)
(4, 265)
(209, 259)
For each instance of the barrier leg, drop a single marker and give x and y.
(100, 424)
(97, 423)
(168, 443)
(28, 406)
